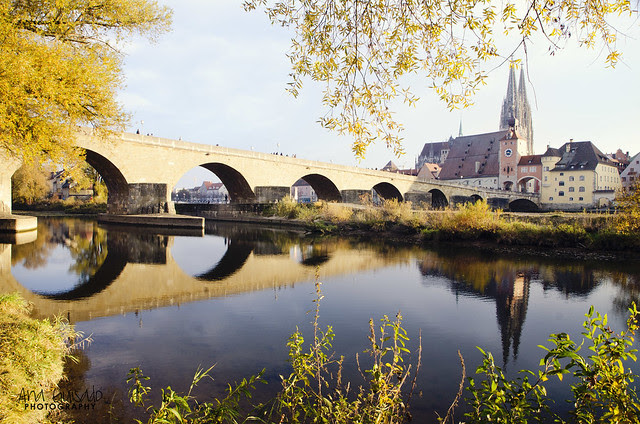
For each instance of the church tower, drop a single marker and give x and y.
(516, 106)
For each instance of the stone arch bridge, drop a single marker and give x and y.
(140, 172)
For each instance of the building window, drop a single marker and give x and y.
(581, 177)
(532, 169)
(546, 168)
(550, 198)
(571, 178)
(561, 193)
(561, 183)
(571, 189)
(581, 189)
(571, 199)
(545, 178)
(581, 198)
(562, 174)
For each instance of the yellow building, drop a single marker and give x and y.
(577, 176)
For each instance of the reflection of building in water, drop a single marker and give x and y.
(512, 298)
(504, 281)
(477, 275)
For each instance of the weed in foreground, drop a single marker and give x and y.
(312, 392)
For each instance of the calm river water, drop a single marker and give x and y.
(169, 302)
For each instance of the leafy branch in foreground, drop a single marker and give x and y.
(361, 50)
(600, 385)
(60, 68)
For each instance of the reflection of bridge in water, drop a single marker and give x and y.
(140, 272)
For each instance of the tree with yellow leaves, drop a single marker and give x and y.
(628, 201)
(60, 68)
(361, 49)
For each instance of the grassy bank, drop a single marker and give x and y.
(471, 222)
(64, 206)
(32, 356)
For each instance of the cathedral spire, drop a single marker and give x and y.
(516, 106)
(523, 112)
(460, 129)
(509, 104)
(522, 87)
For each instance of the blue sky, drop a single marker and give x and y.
(219, 77)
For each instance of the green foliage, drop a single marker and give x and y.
(179, 408)
(362, 51)
(600, 383)
(310, 394)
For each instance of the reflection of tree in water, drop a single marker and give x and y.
(34, 255)
(569, 279)
(87, 244)
(628, 286)
(108, 409)
(89, 253)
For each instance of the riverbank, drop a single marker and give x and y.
(31, 361)
(585, 235)
(471, 223)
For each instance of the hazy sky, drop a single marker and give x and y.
(220, 76)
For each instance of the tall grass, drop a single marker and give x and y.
(473, 221)
(31, 360)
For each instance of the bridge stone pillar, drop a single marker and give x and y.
(498, 203)
(5, 259)
(354, 196)
(457, 200)
(10, 165)
(140, 198)
(271, 194)
(417, 198)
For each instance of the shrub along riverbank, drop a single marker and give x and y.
(471, 222)
(32, 354)
(69, 206)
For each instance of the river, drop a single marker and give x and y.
(172, 301)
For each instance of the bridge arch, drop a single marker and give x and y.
(239, 189)
(438, 199)
(523, 205)
(388, 191)
(108, 272)
(117, 186)
(522, 184)
(325, 188)
(474, 198)
(233, 259)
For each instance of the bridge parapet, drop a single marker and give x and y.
(140, 172)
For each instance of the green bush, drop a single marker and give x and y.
(601, 385)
